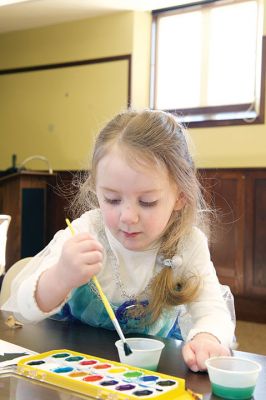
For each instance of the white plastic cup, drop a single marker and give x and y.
(145, 354)
(233, 377)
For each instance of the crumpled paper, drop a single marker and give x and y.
(11, 322)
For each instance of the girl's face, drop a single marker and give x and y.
(136, 203)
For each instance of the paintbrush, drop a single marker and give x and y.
(106, 303)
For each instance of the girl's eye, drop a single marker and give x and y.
(148, 203)
(111, 201)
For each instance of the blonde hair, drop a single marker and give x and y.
(156, 137)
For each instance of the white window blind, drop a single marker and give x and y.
(208, 56)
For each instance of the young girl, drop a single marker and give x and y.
(142, 240)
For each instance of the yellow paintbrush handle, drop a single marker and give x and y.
(104, 299)
(70, 227)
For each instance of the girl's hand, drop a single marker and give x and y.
(200, 348)
(81, 258)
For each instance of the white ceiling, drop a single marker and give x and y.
(25, 14)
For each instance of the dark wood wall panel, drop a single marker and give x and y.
(225, 191)
(238, 240)
(256, 234)
(260, 234)
(14, 203)
(239, 248)
(58, 196)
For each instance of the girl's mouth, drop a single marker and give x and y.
(131, 234)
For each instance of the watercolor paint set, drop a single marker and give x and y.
(102, 379)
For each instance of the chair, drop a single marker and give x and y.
(8, 277)
(4, 224)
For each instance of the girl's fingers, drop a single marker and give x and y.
(80, 259)
(215, 351)
(92, 270)
(83, 261)
(203, 350)
(202, 356)
(83, 239)
(92, 257)
(190, 357)
(81, 246)
(86, 246)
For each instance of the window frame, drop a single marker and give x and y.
(222, 115)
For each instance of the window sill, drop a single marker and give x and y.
(219, 119)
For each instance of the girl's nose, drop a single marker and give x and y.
(129, 215)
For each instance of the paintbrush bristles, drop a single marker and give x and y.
(127, 349)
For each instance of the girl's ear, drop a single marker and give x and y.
(180, 202)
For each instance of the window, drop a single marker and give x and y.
(207, 62)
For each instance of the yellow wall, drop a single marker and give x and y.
(112, 35)
(141, 59)
(91, 38)
(56, 113)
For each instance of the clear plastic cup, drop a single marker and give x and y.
(233, 377)
(145, 354)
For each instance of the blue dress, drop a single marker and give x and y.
(86, 306)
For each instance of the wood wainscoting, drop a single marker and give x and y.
(238, 240)
(238, 248)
